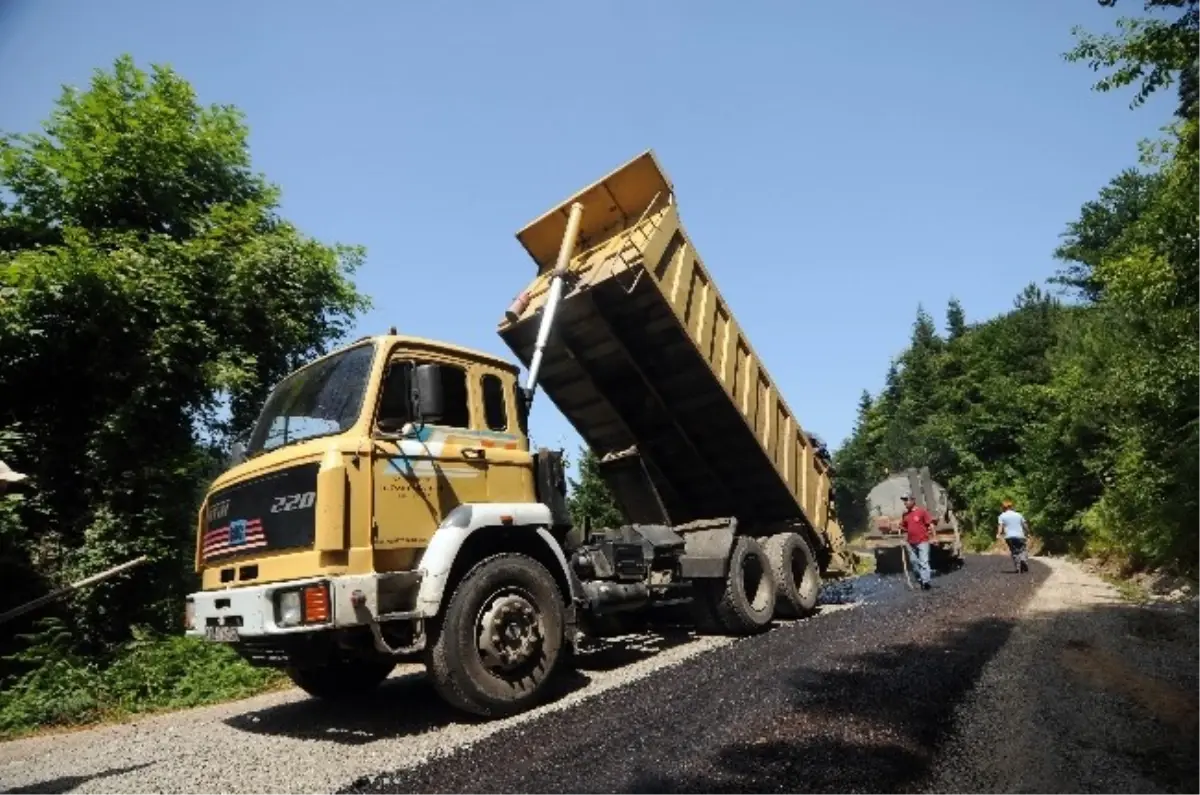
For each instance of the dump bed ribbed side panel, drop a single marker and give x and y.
(646, 352)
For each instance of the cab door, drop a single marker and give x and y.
(423, 474)
(506, 449)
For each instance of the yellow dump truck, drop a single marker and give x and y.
(388, 505)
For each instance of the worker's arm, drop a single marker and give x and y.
(1025, 525)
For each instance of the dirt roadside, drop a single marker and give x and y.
(1090, 694)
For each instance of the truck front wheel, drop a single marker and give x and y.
(500, 639)
(340, 679)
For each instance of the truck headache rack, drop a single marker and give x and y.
(649, 365)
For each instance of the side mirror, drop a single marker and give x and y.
(428, 401)
(237, 454)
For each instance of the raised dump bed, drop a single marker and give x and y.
(648, 363)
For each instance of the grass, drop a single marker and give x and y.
(1127, 589)
(58, 689)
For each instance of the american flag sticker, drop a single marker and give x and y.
(239, 535)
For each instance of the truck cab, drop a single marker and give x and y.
(326, 550)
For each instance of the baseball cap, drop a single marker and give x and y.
(9, 474)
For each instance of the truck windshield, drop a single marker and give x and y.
(319, 400)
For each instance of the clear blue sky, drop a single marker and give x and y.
(835, 163)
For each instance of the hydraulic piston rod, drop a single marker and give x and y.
(565, 250)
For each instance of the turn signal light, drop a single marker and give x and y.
(316, 604)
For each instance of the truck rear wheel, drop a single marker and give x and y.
(744, 602)
(797, 578)
(500, 639)
(340, 679)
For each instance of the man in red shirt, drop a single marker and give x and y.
(917, 524)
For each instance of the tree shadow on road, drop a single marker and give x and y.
(402, 705)
(407, 704)
(68, 783)
(870, 724)
(1113, 682)
(607, 654)
(830, 724)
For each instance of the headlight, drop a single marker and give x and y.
(307, 605)
(289, 609)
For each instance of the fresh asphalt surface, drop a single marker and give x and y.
(859, 700)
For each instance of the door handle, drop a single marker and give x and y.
(473, 453)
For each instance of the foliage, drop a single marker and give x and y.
(958, 406)
(150, 295)
(1156, 52)
(1101, 224)
(590, 500)
(1085, 415)
(60, 687)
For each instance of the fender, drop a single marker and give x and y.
(464, 520)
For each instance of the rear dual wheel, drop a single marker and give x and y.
(797, 578)
(744, 602)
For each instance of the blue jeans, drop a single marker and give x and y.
(1019, 551)
(918, 558)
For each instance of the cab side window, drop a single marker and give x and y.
(454, 394)
(494, 410)
(394, 404)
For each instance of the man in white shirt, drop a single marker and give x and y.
(1013, 528)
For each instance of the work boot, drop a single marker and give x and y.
(925, 586)
(1024, 567)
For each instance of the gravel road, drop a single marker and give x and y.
(991, 682)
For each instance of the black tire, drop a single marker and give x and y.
(797, 577)
(495, 590)
(340, 679)
(744, 603)
(704, 596)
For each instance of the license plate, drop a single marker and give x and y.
(221, 634)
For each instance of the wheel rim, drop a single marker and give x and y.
(510, 630)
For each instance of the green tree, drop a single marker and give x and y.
(1153, 52)
(855, 469)
(960, 406)
(1129, 379)
(148, 282)
(1099, 228)
(956, 320)
(1086, 414)
(590, 500)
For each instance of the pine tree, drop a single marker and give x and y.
(590, 500)
(956, 320)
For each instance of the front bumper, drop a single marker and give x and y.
(252, 610)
